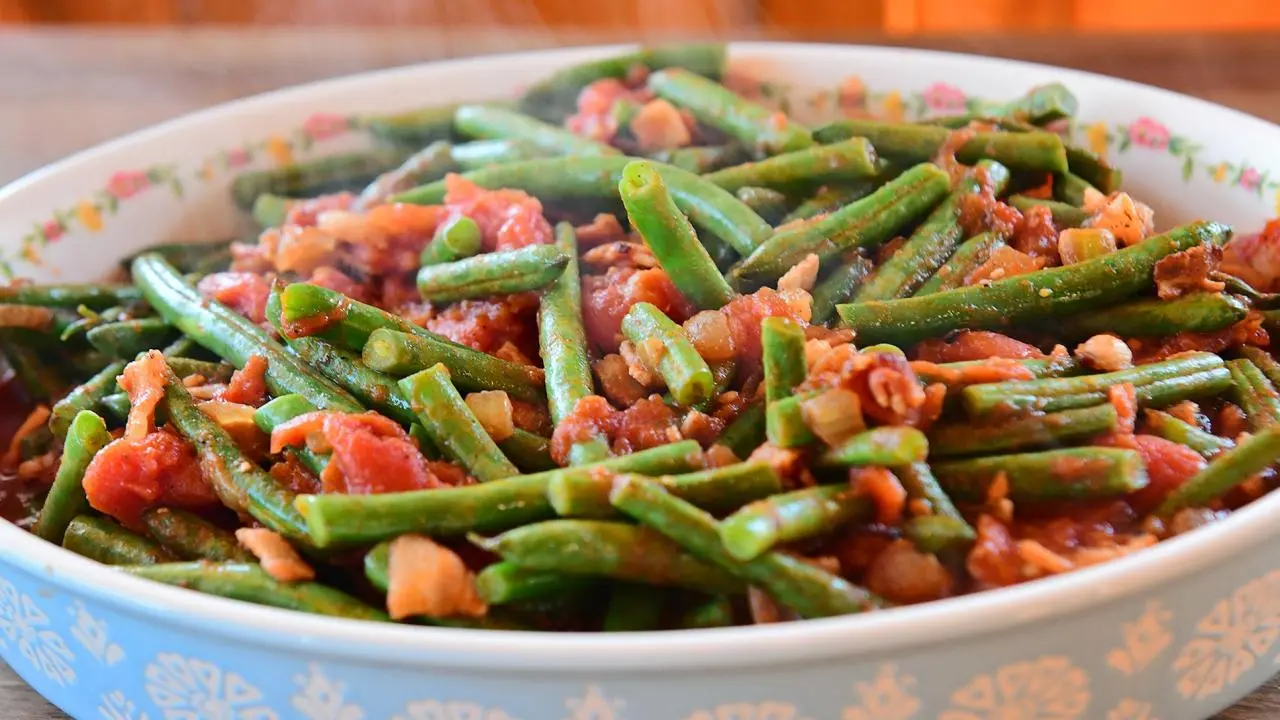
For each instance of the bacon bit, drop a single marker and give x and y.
(144, 380)
(291, 474)
(1188, 272)
(607, 298)
(29, 317)
(304, 249)
(275, 554)
(602, 229)
(883, 488)
(620, 253)
(248, 385)
(1231, 421)
(1043, 559)
(616, 381)
(131, 475)
(975, 345)
(994, 560)
(1005, 262)
(39, 468)
(530, 417)
(720, 456)
(989, 371)
(486, 325)
(36, 419)
(508, 219)
(1124, 398)
(802, 276)
(424, 578)
(1255, 258)
(1107, 353)
(207, 392)
(998, 489)
(860, 545)
(903, 575)
(640, 366)
(701, 427)
(1248, 331)
(195, 380)
(1037, 237)
(660, 126)
(1087, 556)
(243, 292)
(306, 212)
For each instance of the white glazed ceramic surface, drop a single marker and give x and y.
(1178, 631)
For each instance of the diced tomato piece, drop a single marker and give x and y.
(487, 325)
(745, 314)
(646, 424)
(592, 417)
(370, 453)
(1255, 257)
(1169, 465)
(248, 385)
(305, 212)
(607, 298)
(975, 345)
(130, 475)
(338, 281)
(244, 292)
(508, 219)
(994, 560)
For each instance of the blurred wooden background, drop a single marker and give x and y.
(815, 19)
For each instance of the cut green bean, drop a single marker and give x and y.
(452, 427)
(190, 537)
(496, 123)
(528, 451)
(907, 142)
(829, 200)
(401, 354)
(746, 432)
(1021, 433)
(768, 131)
(429, 164)
(95, 296)
(944, 529)
(1088, 473)
(843, 162)
(838, 287)
(499, 273)
(1071, 189)
(1164, 425)
(1064, 215)
(890, 445)
(1226, 471)
(703, 159)
(968, 257)
(412, 128)
(785, 424)
(716, 490)
(1263, 360)
(1198, 312)
(485, 153)
(797, 515)
(271, 211)
(505, 582)
(124, 340)
(713, 613)
(456, 239)
(634, 608)
(315, 177)
(376, 390)
(1255, 394)
(782, 340)
(105, 541)
(85, 435)
(84, 397)
(686, 374)
(281, 410)
(768, 204)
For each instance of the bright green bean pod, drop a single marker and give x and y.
(376, 390)
(671, 237)
(315, 177)
(792, 582)
(124, 340)
(1226, 471)
(103, 540)
(91, 295)
(505, 582)
(768, 131)
(891, 445)
(496, 123)
(838, 287)
(600, 548)
(413, 128)
(713, 613)
(768, 204)
(967, 258)
(703, 159)
(84, 397)
(746, 432)
(1198, 312)
(401, 354)
(528, 451)
(907, 142)
(829, 200)
(1164, 425)
(212, 371)
(763, 525)
(843, 162)
(785, 424)
(498, 273)
(1031, 297)
(715, 490)
(1255, 394)
(944, 529)
(248, 582)
(190, 537)
(280, 410)
(429, 164)
(271, 210)
(484, 508)
(117, 404)
(782, 340)
(1263, 360)
(485, 153)
(1064, 215)
(452, 427)
(1071, 189)
(456, 239)
(687, 375)
(85, 436)
(862, 224)
(1087, 473)
(1021, 433)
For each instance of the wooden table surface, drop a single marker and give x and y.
(67, 90)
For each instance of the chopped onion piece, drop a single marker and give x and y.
(709, 333)
(834, 416)
(493, 409)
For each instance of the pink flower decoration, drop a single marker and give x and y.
(942, 97)
(324, 125)
(237, 157)
(1148, 133)
(1250, 178)
(127, 183)
(52, 229)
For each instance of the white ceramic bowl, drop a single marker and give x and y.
(1178, 631)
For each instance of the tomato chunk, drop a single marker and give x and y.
(131, 475)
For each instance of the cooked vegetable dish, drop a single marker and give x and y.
(638, 351)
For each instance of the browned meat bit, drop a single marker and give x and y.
(604, 228)
(884, 490)
(903, 575)
(994, 560)
(275, 554)
(616, 382)
(1188, 272)
(981, 212)
(1036, 236)
(701, 427)
(1248, 331)
(1005, 262)
(619, 253)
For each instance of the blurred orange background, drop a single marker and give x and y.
(808, 19)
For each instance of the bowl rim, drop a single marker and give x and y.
(740, 647)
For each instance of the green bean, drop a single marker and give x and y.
(767, 131)
(907, 142)
(190, 537)
(891, 445)
(1164, 425)
(785, 424)
(484, 153)
(248, 582)
(1233, 467)
(124, 340)
(1020, 433)
(746, 432)
(96, 296)
(685, 372)
(782, 340)
(180, 348)
(117, 404)
(1071, 189)
(768, 204)
(429, 164)
(1031, 297)
(791, 581)
(271, 211)
(376, 390)
(1255, 394)
(764, 524)
(505, 582)
(863, 224)
(1064, 215)
(488, 122)
(1258, 300)
(103, 540)
(932, 244)
(671, 237)
(943, 530)
(315, 177)
(553, 98)
(38, 378)
(84, 397)
(829, 200)
(1198, 312)
(1088, 473)
(528, 451)
(634, 607)
(498, 273)
(1263, 360)
(713, 613)
(189, 256)
(838, 287)
(377, 571)
(484, 508)
(968, 257)
(712, 209)
(239, 483)
(701, 160)
(401, 354)
(232, 336)
(1043, 104)
(848, 161)
(600, 548)
(211, 371)
(716, 490)
(1054, 394)
(413, 128)
(452, 427)
(456, 239)
(86, 434)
